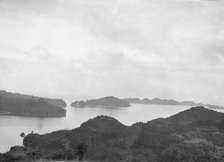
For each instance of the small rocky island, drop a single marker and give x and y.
(194, 135)
(107, 102)
(30, 106)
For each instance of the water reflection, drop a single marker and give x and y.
(40, 123)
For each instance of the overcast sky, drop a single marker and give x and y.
(126, 48)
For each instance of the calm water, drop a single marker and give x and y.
(11, 126)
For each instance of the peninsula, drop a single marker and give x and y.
(30, 106)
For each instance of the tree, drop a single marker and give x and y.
(81, 150)
(0, 102)
(41, 100)
(22, 135)
(221, 124)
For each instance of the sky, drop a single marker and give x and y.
(126, 48)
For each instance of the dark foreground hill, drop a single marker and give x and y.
(109, 101)
(31, 106)
(200, 139)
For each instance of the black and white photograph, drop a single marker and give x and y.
(112, 80)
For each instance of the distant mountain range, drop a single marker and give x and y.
(196, 134)
(31, 106)
(108, 102)
(158, 101)
(111, 101)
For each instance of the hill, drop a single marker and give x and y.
(108, 102)
(30, 106)
(106, 139)
(194, 114)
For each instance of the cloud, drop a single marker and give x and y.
(124, 48)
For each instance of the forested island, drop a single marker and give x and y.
(194, 135)
(107, 102)
(30, 106)
(158, 101)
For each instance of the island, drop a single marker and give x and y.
(158, 101)
(105, 102)
(30, 106)
(196, 134)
